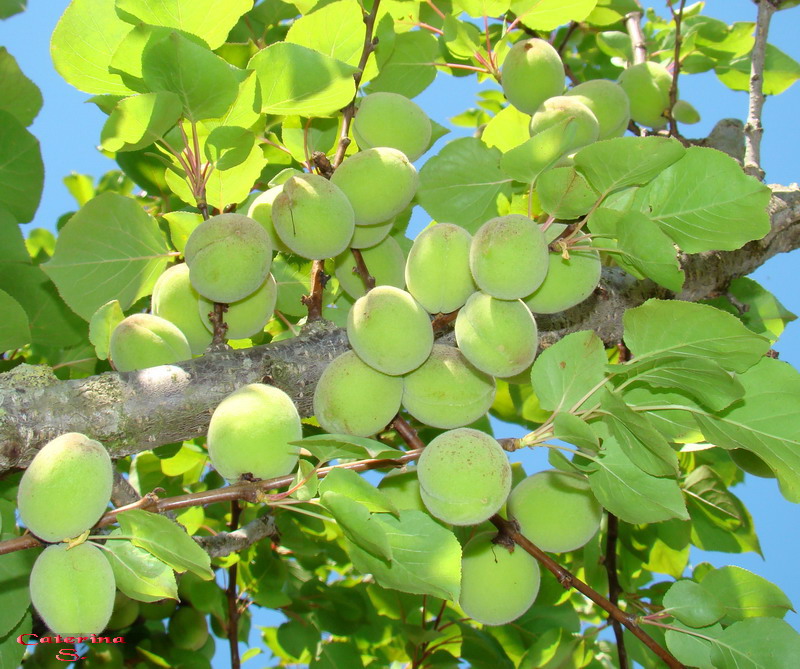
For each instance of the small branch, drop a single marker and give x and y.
(510, 531)
(362, 270)
(571, 29)
(232, 596)
(614, 589)
(217, 319)
(677, 17)
(314, 301)
(407, 433)
(225, 543)
(122, 492)
(753, 130)
(633, 23)
(442, 322)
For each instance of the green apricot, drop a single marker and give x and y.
(497, 585)
(402, 488)
(751, 463)
(313, 217)
(144, 340)
(446, 391)
(176, 300)
(390, 331)
(391, 119)
(353, 398)
(499, 337)
(188, 629)
(647, 86)
(385, 262)
(569, 281)
(379, 183)
(464, 476)
(73, 589)
(229, 257)
(260, 210)
(66, 487)
(437, 270)
(582, 130)
(365, 236)
(532, 72)
(508, 257)
(126, 611)
(609, 104)
(251, 430)
(157, 610)
(684, 112)
(564, 193)
(246, 317)
(105, 657)
(542, 502)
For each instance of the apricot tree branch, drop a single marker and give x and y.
(225, 543)
(677, 17)
(633, 24)
(362, 270)
(313, 301)
(232, 596)
(753, 129)
(614, 589)
(511, 531)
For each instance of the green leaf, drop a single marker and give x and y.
(780, 72)
(349, 484)
(139, 574)
(338, 655)
(15, 330)
(636, 436)
(626, 491)
(765, 314)
(549, 14)
(208, 19)
(102, 324)
(205, 84)
(181, 225)
(693, 604)
(15, 569)
(140, 120)
(21, 169)
(759, 643)
(480, 8)
(302, 137)
(11, 652)
(764, 422)
(565, 373)
(358, 524)
(83, 43)
(297, 80)
(507, 129)
(689, 648)
(571, 429)
(426, 557)
(463, 183)
(110, 249)
(462, 39)
(326, 447)
(336, 30)
(660, 327)
(167, 541)
(722, 210)
(744, 594)
(306, 478)
(292, 277)
(9, 8)
(617, 163)
(615, 44)
(528, 160)
(21, 97)
(409, 69)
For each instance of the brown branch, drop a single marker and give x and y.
(350, 110)
(510, 530)
(122, 492)
(753, 129)
(407, 433)
(633, 24)
(220, 327)
(571, 29)
(362, 270)
(677, 17)
(313, 301)
(614, 588)
(225, 543)
(232, 597)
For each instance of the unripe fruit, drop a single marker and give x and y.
(389, 330)
(608, 102)
(751, 463)
(229, 257)
(250, 431)
(532, 72)
(108, 657)
(508, 257)
(583, 129)
(73, 590)
(569, 281)
(379, 183)
(313, 217)
(564, 193)
(385, 262)
(157, 610)
(125, 612)
(464, 476)
(66, 487)
(353, 398)
(246, 317)
(437, 270)
(497, 586)
(542, 502)
(647, 86)
(365, 236)
(390, 119)
(684, 112)
(260, 210)
(188, 629)
(499, 337)
(176, 300)
(402, 488)
(144, 340)
(446, 391)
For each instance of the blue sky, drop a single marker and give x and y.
(69, 130)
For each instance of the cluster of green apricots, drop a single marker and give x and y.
(496, 280)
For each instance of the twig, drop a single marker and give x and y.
(568, 580)
(571, 29)
(313, 301)
(407, 433)
(217, 319)
(676, 68)
(350, 110)
(122, 492)
(362, 270)
(633, 24)
(753, 129)
(230, 592)
(614, 589)
(225, 543)
(442, 322)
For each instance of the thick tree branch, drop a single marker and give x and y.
(633, 24)
(225, 543)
